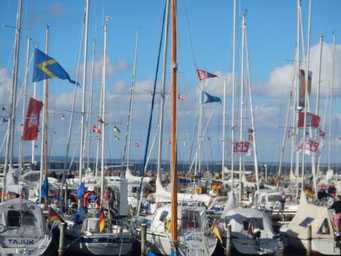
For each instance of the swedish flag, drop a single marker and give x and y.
(46, 67)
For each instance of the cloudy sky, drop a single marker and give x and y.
(204, 41)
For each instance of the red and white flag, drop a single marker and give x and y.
(242, 148)
(31, 126)
(137, 145)
(95, 129)
(168, 142)
(312, 147)
(180, 97)
(100, 120)
(204, 74)
(322, 133)
(312, 120)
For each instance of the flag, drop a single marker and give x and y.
(137, 145)
(204, 74)
(185, 143)
(168, 142)
(242, 148)
(100, 120)
(207, 98)
(101, 221)
(312, 147)
(63, 117)
(45, 188)
(78, 219)
(309, 192)
(216, 231)
(95, 129)
(302, 83)
(116, 138)
(234, 124)
(312, 120)
(54, 216)
(108, 18)
(4, 120)
(3, 108)
(291, 133)
(250, 130)
(116, 129)
(321, 133)
(81, 190)
(180, 97)
(31, 126)
(250, 137)
(46, 67)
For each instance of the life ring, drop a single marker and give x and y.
(197, 190)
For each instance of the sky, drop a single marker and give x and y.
(204, 42)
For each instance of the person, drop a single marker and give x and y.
(322, 194)
(281, 203)
(332, 190)
(337, 218)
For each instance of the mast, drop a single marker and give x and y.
(21, 148)
(127, 143)
(331, 105)
(103, 111)
(46, 92)
(233, 90)
(224, 132)
(10, 136)
(81, 160)
(163, 85)
(198, 165)
(174, 66)
(241, 108)
(91, 99)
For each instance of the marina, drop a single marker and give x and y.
(124, 133)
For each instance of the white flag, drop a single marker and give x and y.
(242, 148)
(312, 147)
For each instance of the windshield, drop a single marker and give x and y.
(190, 219)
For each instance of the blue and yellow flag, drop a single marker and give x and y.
(46, 67)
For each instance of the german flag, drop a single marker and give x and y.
(54, 216)
(309, 192)
(216, 231)
(101, 221)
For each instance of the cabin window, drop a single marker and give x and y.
(274, 198)
(18, 218)
(163, 216)
(324, 229)
(306, 222)
(253, 223)
(190, 219)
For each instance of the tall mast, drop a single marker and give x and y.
(163, 85)
(224, 132)
(33, 146)
(233, 90)
(90, 100)
(103, 111)
(21, 148)
(81, 160)
(131, 106)
(200, 130)
(174, 66)
(331, 105)
(10, 136)
(241, 108)
(46, 93)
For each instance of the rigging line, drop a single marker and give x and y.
(189, 36)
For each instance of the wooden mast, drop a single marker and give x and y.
(173, 129)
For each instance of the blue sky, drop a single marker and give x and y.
(271, 33)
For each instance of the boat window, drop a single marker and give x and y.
(190, 219)
(274, 198)
(253, 223)
(306, 222)
(324, 229)
(18, 218)
(163, 215)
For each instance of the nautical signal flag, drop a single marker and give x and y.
(54, 216)
(108, 18)
(204, 74)
(312, 120)
(321, 133)
(100, 120)
(31, 126)
(137, 145)
(101, 221)
(250, 130)
(216, 231)
(168, 142)
(95, 129)
(116, 138)
(180, 97)
(45, 67)
(116, 129)
(207, 98)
